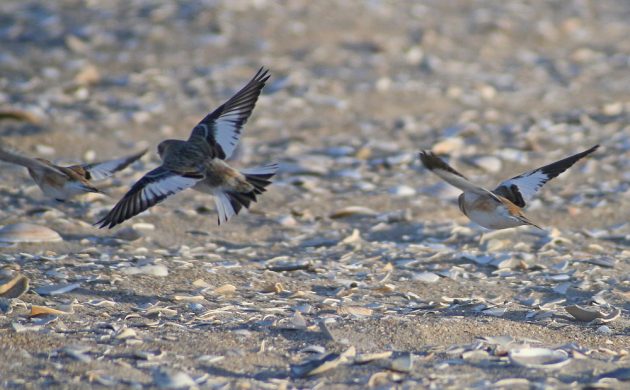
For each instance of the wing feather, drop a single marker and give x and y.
(151, 189)
(450, 175)
(522, 188)
(222, 127)
(104, 169)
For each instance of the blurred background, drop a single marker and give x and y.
(354, 244)
(357, 87)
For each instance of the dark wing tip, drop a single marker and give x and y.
(427, 158)
(591, 150)
(262, 75)
(432, 162)
(554, 169)
(131, 159)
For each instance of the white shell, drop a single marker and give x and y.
(27, 232)
(539, 357)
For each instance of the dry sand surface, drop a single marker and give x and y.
(356, 268)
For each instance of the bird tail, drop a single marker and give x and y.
(527, 221)
(230, 202)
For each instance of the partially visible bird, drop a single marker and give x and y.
(500, 208)
(63, 183)
(199, 163)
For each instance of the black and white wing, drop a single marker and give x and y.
(521, 189)
(153, 188)
(222, 127)
(102, 170)
(450, 175)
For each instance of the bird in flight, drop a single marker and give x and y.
(199, 163)
(63, 183)
(502, 207)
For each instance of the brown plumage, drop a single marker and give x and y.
(62, 183)
(501, 208)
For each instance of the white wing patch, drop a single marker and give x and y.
(269, 169)
(224, 207)
(528, 184)
(153, 188)
(166, 186)
(227, 131)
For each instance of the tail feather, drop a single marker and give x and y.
(259, 177)
(230, 203)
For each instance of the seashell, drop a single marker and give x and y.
(226, 289)
(379, 379)
(539, 357)
(128, 233)
(475, 355)
(200, 283)
(352, 211)
(126, 333)
(353, 238)
(370, 357)
(495, 311)
(189, 298)
(499, 340)
(589, 314)
(78, 353)
(22, 115)
(402, 191)
(488, 163)
(357, 311)
(172, 380)
(448, 145)
(297, 322)
(318, 349)
(57, 289)
(43, 310)
(327, 363)
(403, 363)
(28, 232)
(604, 329)
(426, 277)
(147, 269)
(281, 265)
(15, 287)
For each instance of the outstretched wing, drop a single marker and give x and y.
(520, 189)
(12, 155)
(222, 127)
(450, 175)
(153, 188)
(102, 170)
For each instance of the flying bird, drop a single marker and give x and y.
(63, 183)
(199, 163)
(502, 207)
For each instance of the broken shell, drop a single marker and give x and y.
(589, 314)
(355, 311)
(226, 289)
(318, 366)
(28, 232)
(43, 310)
(403, 363)
(539, 357)
(15, 287)
(369, 357)
(351, 211)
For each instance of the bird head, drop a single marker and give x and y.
(164, 146)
